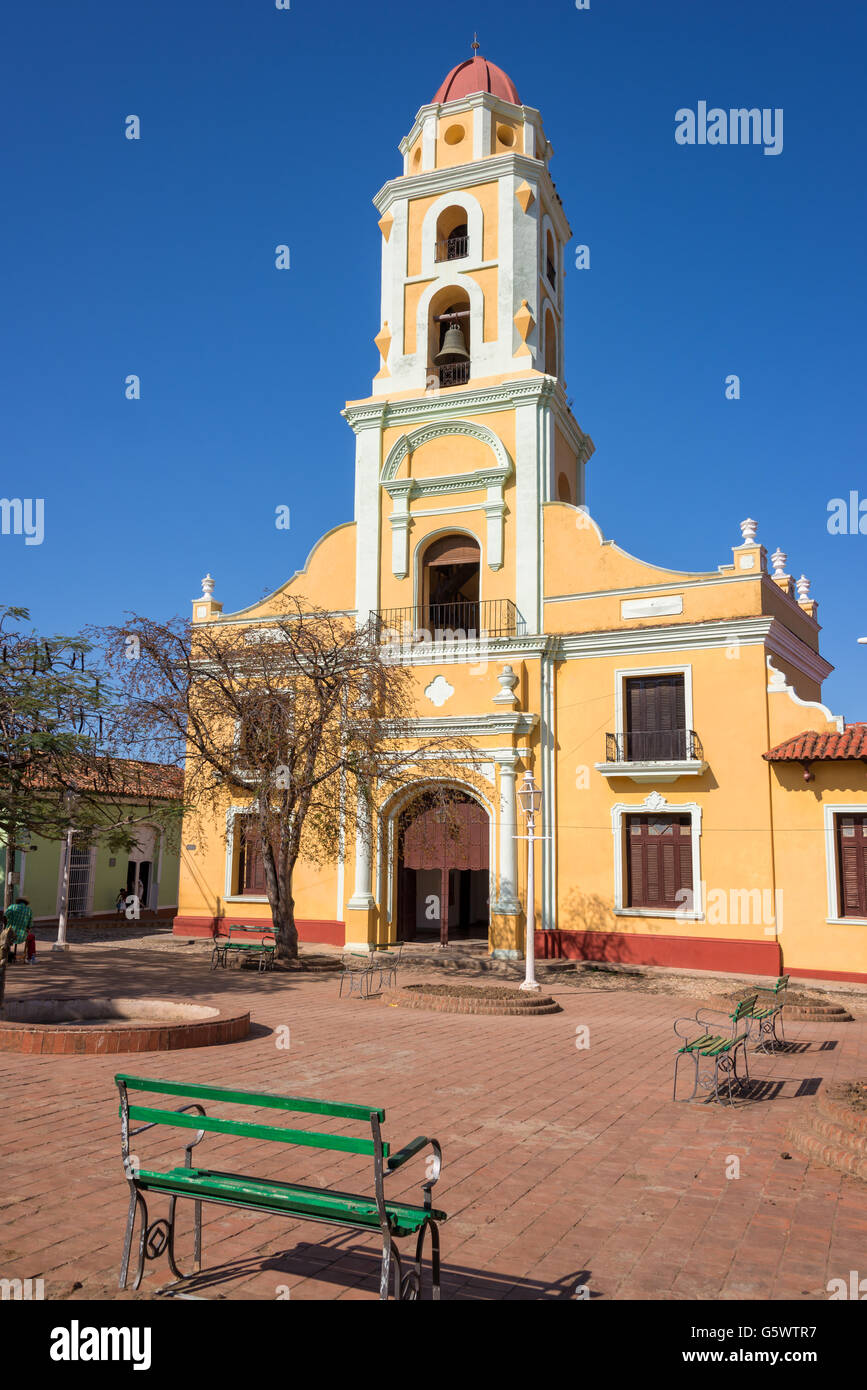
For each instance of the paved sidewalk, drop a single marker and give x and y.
(563, 1166)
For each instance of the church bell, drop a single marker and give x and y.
(454, 348)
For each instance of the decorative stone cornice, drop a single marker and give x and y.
(434, 181)
(730, 632)
(504, 395)
(502, 724)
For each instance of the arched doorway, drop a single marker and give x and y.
(443, 878)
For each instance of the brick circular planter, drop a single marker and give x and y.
(481, 1002)
(106, 1026)
(815, 1009)
(833, 1131)
(823, 1013)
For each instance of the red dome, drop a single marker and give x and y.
(477, 75)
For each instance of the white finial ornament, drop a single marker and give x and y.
(803, 587)
(778, 560)
(207, 587)
(748, 531)
(506, 694)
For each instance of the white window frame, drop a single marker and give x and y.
(831, 866)
(656, 805)
(229, 896)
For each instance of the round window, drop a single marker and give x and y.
(454, 135)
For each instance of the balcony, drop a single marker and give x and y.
(454, 374)
(452, 248)
(437, 623)
(653, 755)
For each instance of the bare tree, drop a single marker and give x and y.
(306, 718)
(53, 763)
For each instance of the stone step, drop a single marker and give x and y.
(832, 1132)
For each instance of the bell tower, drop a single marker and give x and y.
(473, 234)
(470, 345)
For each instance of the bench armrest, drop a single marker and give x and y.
(693, 1021)
(722, 1018)
(179, 1110)
(433, 1166)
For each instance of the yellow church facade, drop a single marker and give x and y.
(701, 808)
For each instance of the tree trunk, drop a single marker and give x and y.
(287, 933)
(5, 939)
(8, 886)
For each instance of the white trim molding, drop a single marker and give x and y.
(403, 491)
(655, 803)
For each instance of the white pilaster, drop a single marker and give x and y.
(368, 449)
(507, 898)
(362, 897)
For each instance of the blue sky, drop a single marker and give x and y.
(262, 126)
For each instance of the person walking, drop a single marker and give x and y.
(19, 918)
(120, 902)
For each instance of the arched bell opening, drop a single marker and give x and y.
(551, 355)
(551, 260)
(449, 337)
(450, 587)
(443, 868)
(452, 238)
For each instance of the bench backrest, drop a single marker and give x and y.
(266, 1100)
(745, 1007)
(243, 930)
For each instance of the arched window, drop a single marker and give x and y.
(449, 342)
(550, 344)
(564, 489)
(452, 240)
(551, 261)
(449, 585)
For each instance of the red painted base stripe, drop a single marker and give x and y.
(328, 933)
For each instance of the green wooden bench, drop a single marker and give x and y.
(240, 943)
(716, 1050)
(394, 1220)
(766, 1011)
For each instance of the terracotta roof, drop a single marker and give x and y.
(813, 747)
(477, 75)
(130, 777)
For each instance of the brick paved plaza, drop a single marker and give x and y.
(563, 1167)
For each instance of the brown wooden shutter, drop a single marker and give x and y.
(251, 867)
(453, 550)
(658, 860)
(655, 718)
(852, 864)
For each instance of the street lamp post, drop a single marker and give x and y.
(530, 797)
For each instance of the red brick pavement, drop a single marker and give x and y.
(562, 1166)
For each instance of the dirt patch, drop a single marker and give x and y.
(850, 1093)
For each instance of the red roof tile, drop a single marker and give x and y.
(814, 747)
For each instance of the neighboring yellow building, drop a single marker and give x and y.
(642, 699)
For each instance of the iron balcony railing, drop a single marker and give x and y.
(452, 248)
(463, 621)
(654, 746)
(454, 374)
